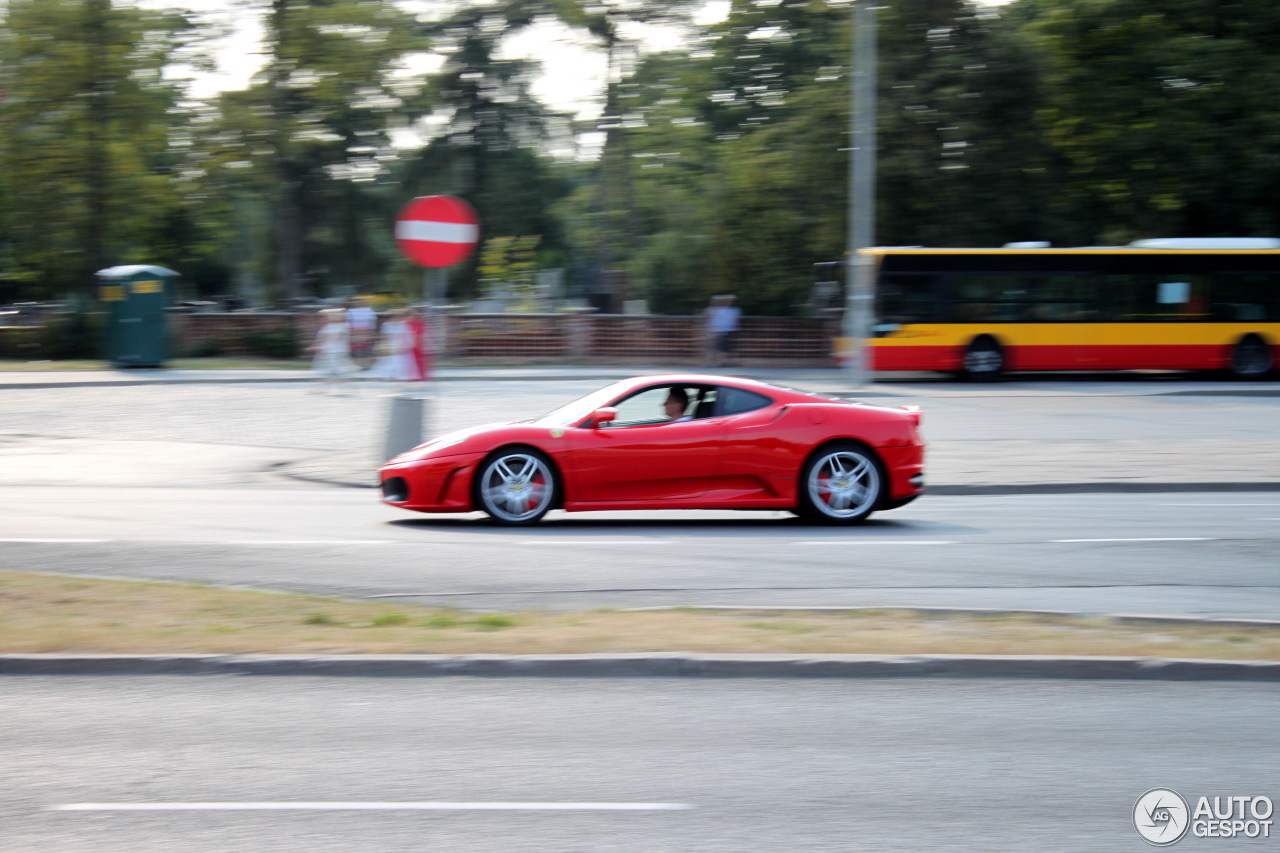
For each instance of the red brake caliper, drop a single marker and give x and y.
(536, 485)
(824, 484)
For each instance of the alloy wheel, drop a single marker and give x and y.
(844, 484)
(516, 488)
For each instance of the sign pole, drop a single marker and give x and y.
(860, 267)
(434, 232)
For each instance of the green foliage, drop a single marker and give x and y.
(271, 343)
(20, 342)
(509, 261)
(297, 163)
(723, 167)
(87, 118)
(1158, 114)
(208, 348)
(493, 622)
(76, 334)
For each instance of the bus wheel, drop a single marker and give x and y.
(1251, 358)
(983, 360)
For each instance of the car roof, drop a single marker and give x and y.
(718, 379)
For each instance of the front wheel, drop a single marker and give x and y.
(516, 487)
(841, 484)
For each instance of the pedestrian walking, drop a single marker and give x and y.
(420, 336)
(332, 350)
(363, 321)
(721, 325)
(398, 349)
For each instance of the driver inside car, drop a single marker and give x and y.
(677, 401)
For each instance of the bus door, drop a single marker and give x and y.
(1152, 320)
(1041, 321)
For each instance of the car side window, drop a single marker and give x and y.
(641, 409)
(646, 408)
(737, 400)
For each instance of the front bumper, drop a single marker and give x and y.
(429, 485)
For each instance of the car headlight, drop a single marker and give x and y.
(431, 448)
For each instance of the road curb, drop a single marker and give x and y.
(979, 612)
(653, 666)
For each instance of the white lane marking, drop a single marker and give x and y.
(1217, 505)
(582, 542)
(215, 541)
(365, 806)
(874, 542)
(55, 540)
(296, 541)
(1145, 539)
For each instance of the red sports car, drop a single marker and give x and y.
(673, 442)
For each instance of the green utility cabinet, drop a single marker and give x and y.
(135, 297)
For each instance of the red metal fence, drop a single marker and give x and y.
(515, 338)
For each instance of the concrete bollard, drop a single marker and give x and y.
(405, 419)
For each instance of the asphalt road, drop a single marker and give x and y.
(759, 765)
(1201, 554)
(1120, 431)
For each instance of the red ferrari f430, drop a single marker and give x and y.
(673, 442)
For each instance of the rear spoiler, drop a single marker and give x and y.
(913, 412)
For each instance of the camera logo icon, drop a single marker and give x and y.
(1161, 817)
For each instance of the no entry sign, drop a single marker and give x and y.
(437, 230)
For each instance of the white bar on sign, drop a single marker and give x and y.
(437, 232)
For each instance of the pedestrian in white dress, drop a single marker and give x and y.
(396, 350)
(332, 350)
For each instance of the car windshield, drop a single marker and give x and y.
(571, 413)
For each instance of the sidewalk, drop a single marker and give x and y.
(11, 379)
(254, 427)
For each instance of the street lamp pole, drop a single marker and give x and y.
(860, 268)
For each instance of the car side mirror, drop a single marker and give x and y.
(600, 417)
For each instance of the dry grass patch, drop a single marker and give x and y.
(55, 613)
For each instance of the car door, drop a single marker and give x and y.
(756, 459)
(645, 456)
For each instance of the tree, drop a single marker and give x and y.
(318, 118)
(1159, 114)
(491, 130)
(86, 114)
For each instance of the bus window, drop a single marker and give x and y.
(1022, 298)
(1156, 298)
(902, 299)
(1245, 298)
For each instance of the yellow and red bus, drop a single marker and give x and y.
(1207, 304)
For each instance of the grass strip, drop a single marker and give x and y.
(60, 613)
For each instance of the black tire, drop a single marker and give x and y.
(984, 360)
(1251, 358)
(842, 483)
(516, 486)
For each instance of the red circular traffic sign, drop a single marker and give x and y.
(437, 230)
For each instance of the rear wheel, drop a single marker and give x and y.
(516, 486)
(1251, 358)
(841, 484)
(983, 360)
